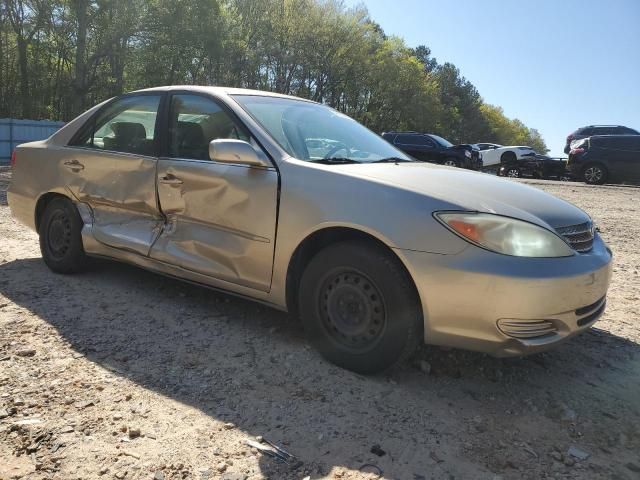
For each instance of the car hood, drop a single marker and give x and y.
(460, 189)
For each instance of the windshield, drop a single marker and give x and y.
(441, 141)
(312, 132)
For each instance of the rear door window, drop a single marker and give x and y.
(126, 125)
(419, 140)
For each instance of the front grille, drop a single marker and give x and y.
(580, 237)
(526, 328)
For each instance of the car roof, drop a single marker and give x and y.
(220, 91)
(394, 132)
(598, 126)
(635, 137)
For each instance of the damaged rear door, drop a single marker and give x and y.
(111, 167)
(220, 218)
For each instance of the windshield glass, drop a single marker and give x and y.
(442, 141)
(309, 131)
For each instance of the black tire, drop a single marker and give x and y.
(60, 238)
(359, 307)
(451, 162)
(595, 174)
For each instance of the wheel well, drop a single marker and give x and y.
(507, 156)
(595, 162)
(319, 240)
(41, 205)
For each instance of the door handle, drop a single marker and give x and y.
(74, 165)
(170, 180)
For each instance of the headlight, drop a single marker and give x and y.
(467, 153)
(505, 235)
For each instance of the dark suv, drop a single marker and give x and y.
(434, 149)
(592, 130)
(606, 158)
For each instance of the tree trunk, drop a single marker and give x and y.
(79, 84)
(24, 77)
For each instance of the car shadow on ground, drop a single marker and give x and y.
(240, 362)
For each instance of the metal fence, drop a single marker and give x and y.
(14, 132)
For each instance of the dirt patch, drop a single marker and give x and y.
(119, 373)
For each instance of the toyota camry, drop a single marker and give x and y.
(293, 204)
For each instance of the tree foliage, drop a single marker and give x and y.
(58, 57)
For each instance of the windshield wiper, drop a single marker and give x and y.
(334, 160)
(393, 160)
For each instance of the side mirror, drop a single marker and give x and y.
(236, 151)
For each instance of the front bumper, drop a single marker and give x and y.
(465, 296)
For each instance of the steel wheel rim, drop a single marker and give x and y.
(59, 234)
(352, 310)
(593, 174)
(450, 163)
(513, 173)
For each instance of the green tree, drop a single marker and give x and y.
(58, 57)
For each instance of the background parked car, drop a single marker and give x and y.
(606, 158)
(592, 130)
(494, 154)
(434, 149)
(536, 166)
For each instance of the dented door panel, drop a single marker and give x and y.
(220, 220)
(120, 190)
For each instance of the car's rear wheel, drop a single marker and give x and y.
(359, 307)
(595, 174)
(60, 238)
(451, 162)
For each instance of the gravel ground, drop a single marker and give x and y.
(120, 373)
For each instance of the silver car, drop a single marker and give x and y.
(293, 204)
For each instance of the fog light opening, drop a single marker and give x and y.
(526, 329)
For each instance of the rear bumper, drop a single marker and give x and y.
(465, 296)
(22, 208)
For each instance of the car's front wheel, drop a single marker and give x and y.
(451, 162)
(513, 172)
(60, 238)
(595, 174)
(359, 307)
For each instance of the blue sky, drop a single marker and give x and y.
(555, 64)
